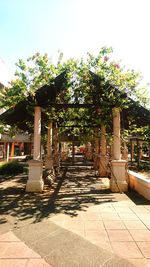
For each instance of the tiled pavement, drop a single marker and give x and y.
(120, 227)
(14, 253)
(113, 222)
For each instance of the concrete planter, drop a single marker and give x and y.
(140, 184)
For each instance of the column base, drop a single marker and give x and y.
(35, 182)
(118, 182)
(48, 163)
(103, 169)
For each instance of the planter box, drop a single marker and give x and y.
(140, 184)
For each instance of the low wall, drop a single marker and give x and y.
(140, 184)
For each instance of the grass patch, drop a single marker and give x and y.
(11, 168)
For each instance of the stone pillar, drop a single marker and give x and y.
(49, 157)
(140, 149)
(111, 151)
(96, 150)
(132, 150)
(8, 151)
(12, 150)
(63, 151)
(125, 151)
(118, 181)
(116, 134)
(5, 150)
(88, 152)
(56, 147)
(103, 155)
(73, 152)
(35, 182)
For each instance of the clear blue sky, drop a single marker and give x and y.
(75, 27)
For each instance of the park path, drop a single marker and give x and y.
(77, 223)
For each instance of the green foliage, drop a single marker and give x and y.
(115, 82)
(11, 168)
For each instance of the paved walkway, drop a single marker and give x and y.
(77, 223)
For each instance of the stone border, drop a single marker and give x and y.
(139, 183)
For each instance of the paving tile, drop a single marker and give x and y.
(16, 250)
(140, 209)
(13, 262)
(147, 207)
(78, 217)
(91, 216)
(146, 223)
(127, 249)
(97, 236)
(37, 263)
(106, 209)
(134, 224)
(58, 218)
(80, 233)
(94, 208)
(123, 209)
(140, 235)
(110, 216)
(105, 245)
(93, 225)
(74, 225)
(9, 236)
(127, 216)
(143, 216)
(140, 262)
(114, 225)
(119, 235)
(145, 248)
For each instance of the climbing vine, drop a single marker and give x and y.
(110, 89)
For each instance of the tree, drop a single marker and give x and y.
(114, 81)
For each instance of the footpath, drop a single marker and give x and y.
(78, 223)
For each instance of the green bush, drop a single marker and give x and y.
(11, 168)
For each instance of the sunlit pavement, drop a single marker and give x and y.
(77, 223)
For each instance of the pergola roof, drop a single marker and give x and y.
(22, 115)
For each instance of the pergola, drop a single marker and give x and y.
(31, 111)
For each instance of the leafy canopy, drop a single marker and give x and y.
(115, 81)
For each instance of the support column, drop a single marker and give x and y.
(49, 157)
(125, 151)
(12, 150)
(35, 182)
(103, 155)
(118, 181)
(56, 148)
(63, 151)
(5, 151)
(140, 149)
(96, 150)
(73, 151)
(132, 150)
(8, 151)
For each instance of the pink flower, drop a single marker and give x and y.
(106, 58)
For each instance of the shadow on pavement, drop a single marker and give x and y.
(75, 190)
